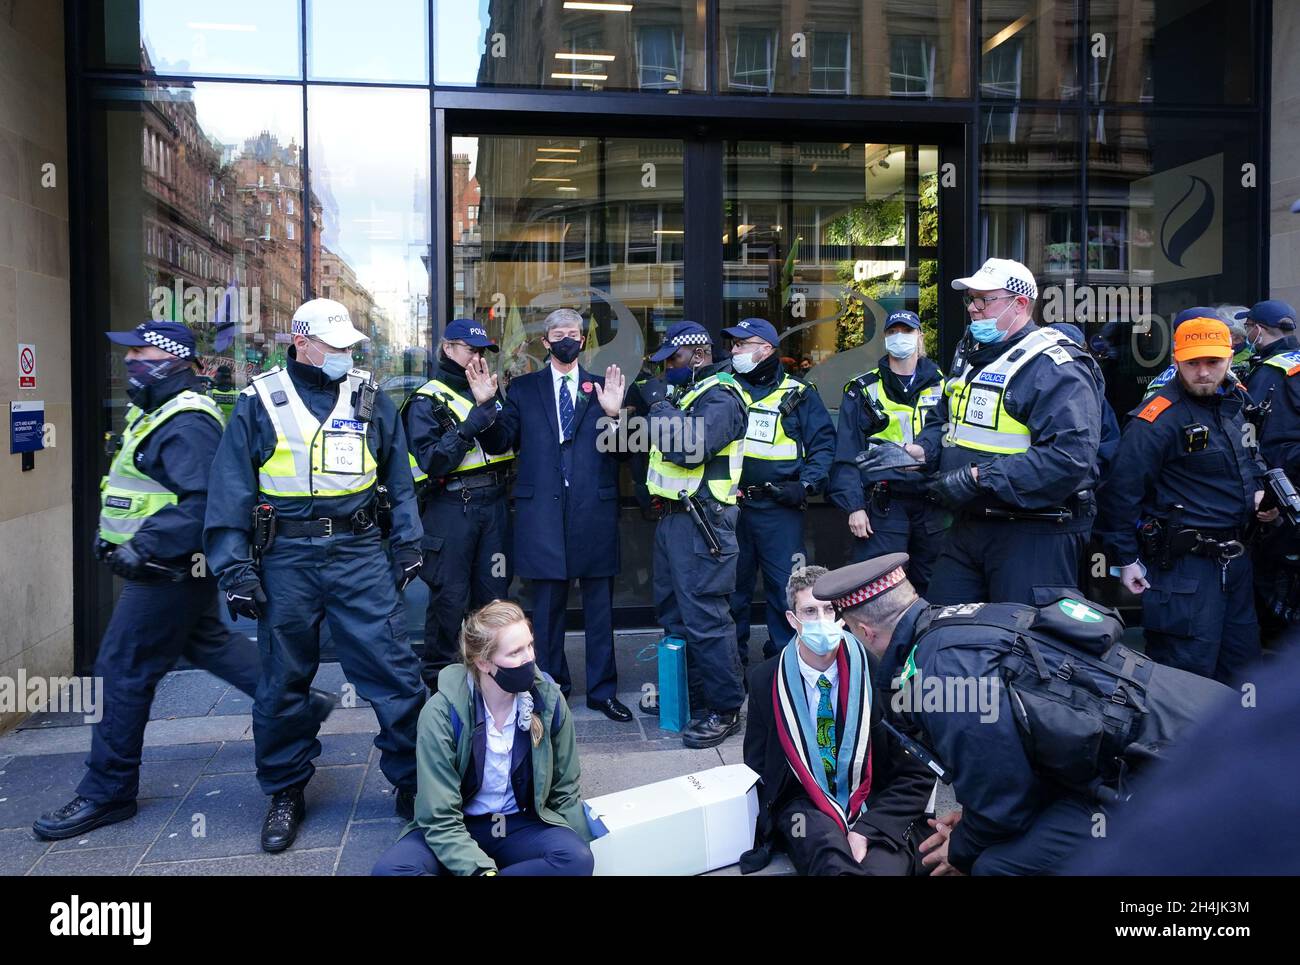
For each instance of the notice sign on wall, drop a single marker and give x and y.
(26, 426)
(26, 366)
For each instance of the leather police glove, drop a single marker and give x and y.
(956, 487)
(246, 599)
(102, 548)
(789, 493)
(408, 563)
(126, 562)
(479, 418)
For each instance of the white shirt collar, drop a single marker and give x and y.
(810, 674)
(571, 375)
(505, 724)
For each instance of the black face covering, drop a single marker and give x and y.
(565, 350)
(515, 680)
(449, 364)
(765, 371)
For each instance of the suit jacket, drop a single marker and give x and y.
(900, 785)
(560, 532)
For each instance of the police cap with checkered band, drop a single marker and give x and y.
(327, 320)
(172, 337)
(683, 333)
(855, 584)
(999, 273)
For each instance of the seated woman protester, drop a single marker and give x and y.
(497, 765)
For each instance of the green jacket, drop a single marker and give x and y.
(441, 762)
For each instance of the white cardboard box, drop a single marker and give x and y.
(683, 826)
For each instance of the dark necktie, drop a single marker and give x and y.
(566, 410)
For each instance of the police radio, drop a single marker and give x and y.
(365, 404)
(874, 411)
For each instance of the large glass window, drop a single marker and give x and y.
(824, 240)
(379, 40)
(255, 38)
(1028, 49)
(1172, 51)
(877, 48)
(369, 157)
(650, 45)
(1030, 191)
(1170, 225)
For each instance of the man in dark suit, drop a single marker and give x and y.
(566, 503)
(836, 788)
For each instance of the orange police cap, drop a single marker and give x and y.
(1199, 338)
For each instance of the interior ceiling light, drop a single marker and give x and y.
(598, 7)
(564, 76)
(603, 58)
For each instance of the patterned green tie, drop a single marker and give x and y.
(826, 730)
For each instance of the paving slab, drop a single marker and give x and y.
(366, 841)
(19, 850)
(114, 862)
(148, 823)
(295, 861)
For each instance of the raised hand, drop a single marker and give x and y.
(610, 395)
(481, 380)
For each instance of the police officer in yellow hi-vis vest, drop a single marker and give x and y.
(888, 510)
(223, 391)
(460, 457)
(789, 444)
(150, 532)
(697, 451)
(1014, 440)
(296, 542)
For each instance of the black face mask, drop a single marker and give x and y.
(449, 364)
(565, 350)
(515, 680)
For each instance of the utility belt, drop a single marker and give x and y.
(477, 480)
(268, 524)
(881, 495)
(661, 507)
(1079, 506)
(696, 509)
(359, 522)
(1163, 541)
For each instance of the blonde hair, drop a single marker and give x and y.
(479, 634)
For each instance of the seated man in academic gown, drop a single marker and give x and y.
(836, 789)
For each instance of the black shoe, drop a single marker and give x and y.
(612, 709)
(79, 816)
(649, 705)
(404, 804)
(711, 729)
(322, 704)
(281, 825)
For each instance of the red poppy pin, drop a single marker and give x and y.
(586, 386)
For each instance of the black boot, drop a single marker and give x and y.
(79, 816)
(322, 704)
(281, 825)
(711, 729)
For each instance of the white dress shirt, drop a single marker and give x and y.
(813, 692)
(496, 795)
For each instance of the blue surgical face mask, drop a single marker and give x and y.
(901, 345)
(986, 331)
(821, 636)
(335, 365)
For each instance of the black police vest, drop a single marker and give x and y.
(1089, 709)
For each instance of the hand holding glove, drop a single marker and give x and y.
(956, 487)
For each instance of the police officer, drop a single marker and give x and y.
(789, 444)
(150, 532)
(1270, 329)
(308, 445)
(460, 459)
(889, 515)
(223, 391)
(947, 675)
(1015, 443)
(697, 452)
(1174, 511)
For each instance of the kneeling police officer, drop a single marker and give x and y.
(296, 540)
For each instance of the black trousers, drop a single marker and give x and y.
(817, 846)
(550, 598)
(1004, 561)
(154, 624)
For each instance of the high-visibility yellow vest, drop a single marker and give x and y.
(313, 458)
(765, 435)
(225, 398)
(668, 480)
(127, 496)
(1288, 362)
(977, 414)
(460, 406)
(905, 421)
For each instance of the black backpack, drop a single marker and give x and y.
(1089, 709)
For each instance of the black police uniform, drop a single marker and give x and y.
(157, 620)
(465, 517)
(1013, 821)
(1264, 381)
(769, 531)
(338, 575)
(903, 519)
(1180, 450)
(987, 556)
